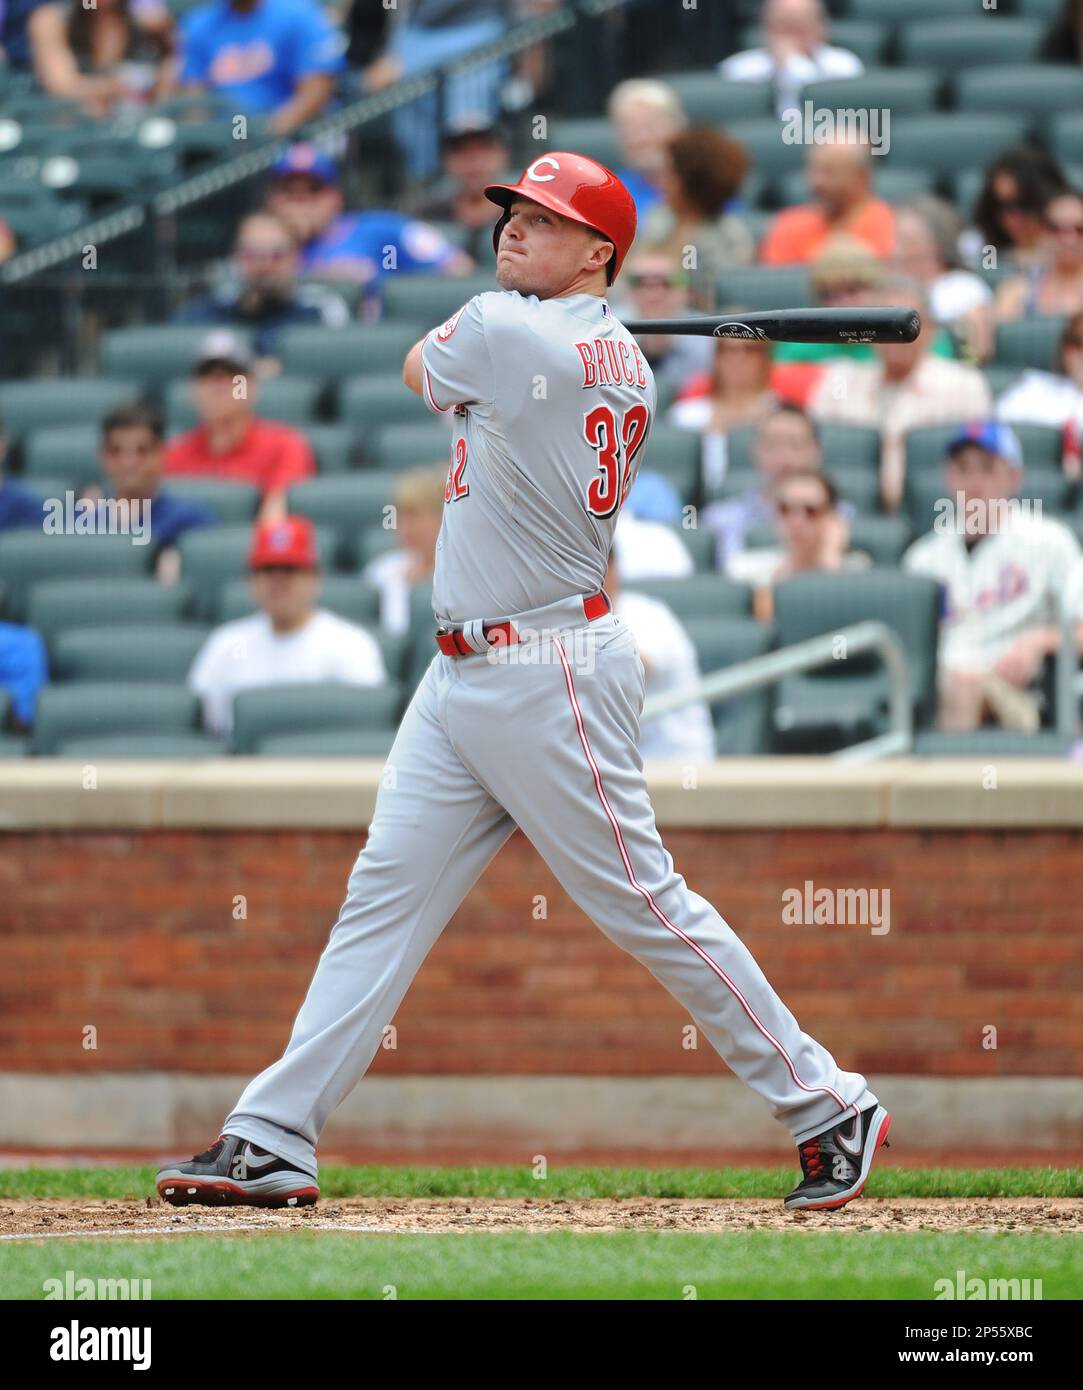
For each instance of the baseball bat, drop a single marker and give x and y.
(795, 325)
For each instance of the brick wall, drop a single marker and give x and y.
(133, 933)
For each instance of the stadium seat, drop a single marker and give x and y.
(347, 503)
(429, 298)
(343, 594)
(904, 91)
(111, 707)
(332, 445)
(1065, 135)
(1029, 343)
(993, 743)
(55, 605)
(369, 402)
(954, 45)
(212, 556)
(164, 652)
(771, 155)
(28, 405)
(1034, 90)
(699, 596)
(1046, 10)
(858, 486)
(14, 746)
(290, 709)
(742, 724)
(29, 557)
(882, 538)
(593, 136)
(844, 446)
(154, 354)
(67, 452)
(179, 745)
(294, 400)
(925, 495)
(709, 100)
(888, 12)
(330, 743)
(926, 449)
(764, 287)
(233, 504)
(675, 454)
(948, 142)
(359, 349)
(397, 447)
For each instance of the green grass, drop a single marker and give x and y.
(571, 1182)
(558, 1265)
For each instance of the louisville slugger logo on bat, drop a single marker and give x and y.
(739, 330)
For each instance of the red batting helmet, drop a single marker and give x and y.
(579, 188)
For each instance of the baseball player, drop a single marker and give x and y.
(528, 715)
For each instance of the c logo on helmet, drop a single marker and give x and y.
(532, 173)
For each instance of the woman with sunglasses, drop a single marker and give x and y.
(1009, 213)
(1053, 398)
(1055, 285)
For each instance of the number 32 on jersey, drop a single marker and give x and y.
(616, 447)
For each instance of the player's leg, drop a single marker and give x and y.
(559, 752)
(433, 832)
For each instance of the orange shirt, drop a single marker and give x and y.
(798, 234)
(272, 456)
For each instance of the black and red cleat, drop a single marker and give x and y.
(836, 1162)
(235, 1172)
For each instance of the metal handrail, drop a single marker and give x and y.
(758, 671)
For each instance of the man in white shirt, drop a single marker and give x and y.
(290, 641)
(796, 53)
(1005, 574)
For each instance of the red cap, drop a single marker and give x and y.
(290, 542)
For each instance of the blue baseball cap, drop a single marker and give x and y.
(993, 436)
(305, 158)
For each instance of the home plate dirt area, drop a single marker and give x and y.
(45, 1218)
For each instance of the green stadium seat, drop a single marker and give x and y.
(398, 447)
(57, 605)
(593, 136)
(212, 556)
(334, 354)
(846, 701)
(742, 724)
(844, 446)
(88, 708)
(1032, 89)
(888, 12)
(332, 445)
(345, 595)
(924, 494)
(347, 503)
(37, 222)
(373, 541)
(764, 287)
(132, 653)
(709, 100)
(293, 709)
(30, 557)
(370, 402)
(865, 37)
(154, 354)
(14, 746)
(699, 596)
(430, 298)
(1029, 343)
(700, 544)
(180, 745)
(882, 538)
(1000, 378)
(926, 449)
(292, 399)
(330, 743)
(993, 743)
(904, 91)
(233, 504)
(1065, 135)
(675, 454)
(29, 405)
(67, 452)
(953, 45)
(771, 155)
(1046, 10)
(858, 486)
(948, 142)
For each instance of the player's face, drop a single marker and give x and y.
(980, 475)
(132, 461)
(287, 596)
(542, 253)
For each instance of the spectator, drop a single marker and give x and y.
(737, 392)
(814, 537)
(104, 56)
(24, 669)
(796, 52)
(669, 663)
(18, 507)
(645, 548)
(474, 155)
(1004, 573)
(1009, 215)
(426, 35)
(7, 241)
(16, 37)
(230, 441)
(1064, 41)
(419, 512)
(654, 286)
(133, 459)
(786, 442)
(907, 388)
(700, 176)
(290, 641)
(1053, 398)
(1056, 285)
(263, 296)
(270, 58)
(927, 232)
(839, 177)
(358, 246)
(646, 115)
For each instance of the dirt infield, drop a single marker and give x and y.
(45, 1219)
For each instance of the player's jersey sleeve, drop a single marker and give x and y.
(456, 366)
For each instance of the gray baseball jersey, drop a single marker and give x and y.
(552, 403)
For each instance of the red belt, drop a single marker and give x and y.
(452, 643)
